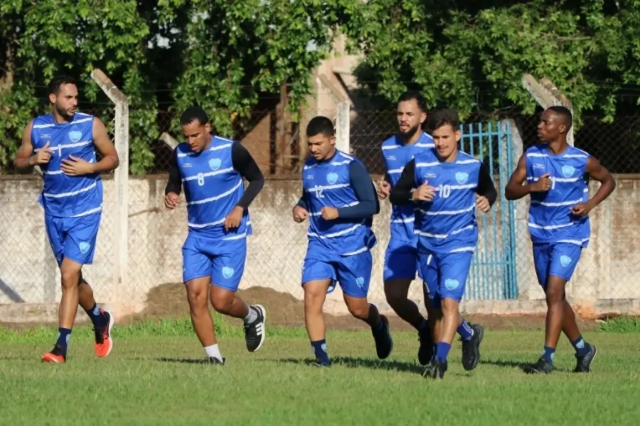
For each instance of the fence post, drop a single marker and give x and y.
(121, 180)
(343, 109)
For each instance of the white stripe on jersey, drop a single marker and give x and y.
(442, 236)
(208, 174)
(72, 193)
(336, 234)
(217, 197)
(564, 203)
(448, 212)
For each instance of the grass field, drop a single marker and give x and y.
(152, 378)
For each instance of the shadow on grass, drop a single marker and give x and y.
(352, 362)
(202, 361)
(526, 367)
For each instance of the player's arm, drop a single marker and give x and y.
(103, 144)
(302, 202)
(365, 193)
(174, 184)
(486, 190)
(515, 188)
(402, 192)
(244, 163)
(25, 159)
(596, 171)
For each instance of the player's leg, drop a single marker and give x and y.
(428, 269)
(228, 267)
(318, 278)
(453, 270)
(354, 275)
(197, 268)
(80, 245)
(399, 270)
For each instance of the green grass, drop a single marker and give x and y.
(148, 379)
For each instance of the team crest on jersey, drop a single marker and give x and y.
(227, 272)
(215, 163)
(451, 284)
(332, 178)
(462, 177)
(75, 136)
(568, 171)
(565, 260)
(84, 247)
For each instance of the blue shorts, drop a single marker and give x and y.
(445, 274)
(222, 261)
(73, 238)
(352, 272)
(401, 261)
(559, 259)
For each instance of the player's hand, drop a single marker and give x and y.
(482, 203)
(43, 156)
(383, 190)
(425, 192)
(300, 214)
(76, 166)
(171, 200)
(582, 209)
(233, 219)
(329, 213)
(543, 184)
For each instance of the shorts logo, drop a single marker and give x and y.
(214, 164)
(565, 260)
(75, 136)
(332, 178)
(84, 247)
(568, 171)
(360, 282)
(462, 177)
(227, 272)
(451, 284)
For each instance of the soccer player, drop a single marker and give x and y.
(339, 200)
(449, 186)
(401, 257)
(212, 169)
(63, 144)
(556, 176)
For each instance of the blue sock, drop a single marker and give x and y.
(442, 351)
(549, 354)
(465, 331)
(320, 351)
(581, 347)
(64, 334)
(96, 316)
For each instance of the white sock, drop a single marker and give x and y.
(251, 316)
(213, 352)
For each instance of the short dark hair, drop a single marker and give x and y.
(565, 113)
(414, 94)
(56, 82)
(320, 125)
(443, 117)
(194, 113)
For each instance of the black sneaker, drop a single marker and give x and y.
(384, 342)
(321, 364)
(471, 348)
(583, 364)
(255, 332)
(216, 361)
(435, 369)
(542, 366)
(427, 349)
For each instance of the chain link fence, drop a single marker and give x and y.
(278, 246)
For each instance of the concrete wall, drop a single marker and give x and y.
(606, 278)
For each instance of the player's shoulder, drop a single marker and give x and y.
(344, 158)
(537, 150)
(574, 152)
(425, 156)
(219, 140)
(42, 121)
(425, 141)
(391, 143)
(464, 158)
(81, 117)
(183, 149)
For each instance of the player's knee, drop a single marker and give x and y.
(359, 309)
(222, 303)
(395, 292)
(70, 278)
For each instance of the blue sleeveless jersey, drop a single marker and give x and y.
(212, 188)
(550, 217)
(396, 156)
(448, 223)
(62, 195)
(328, 184)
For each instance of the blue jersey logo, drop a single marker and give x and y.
(451, 284)
(227, 272)
(75, 136)
(332, 178)
(215, 164)
(462, 177)
(568, 171)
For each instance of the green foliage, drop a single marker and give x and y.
(621, 324)
(225, 55)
